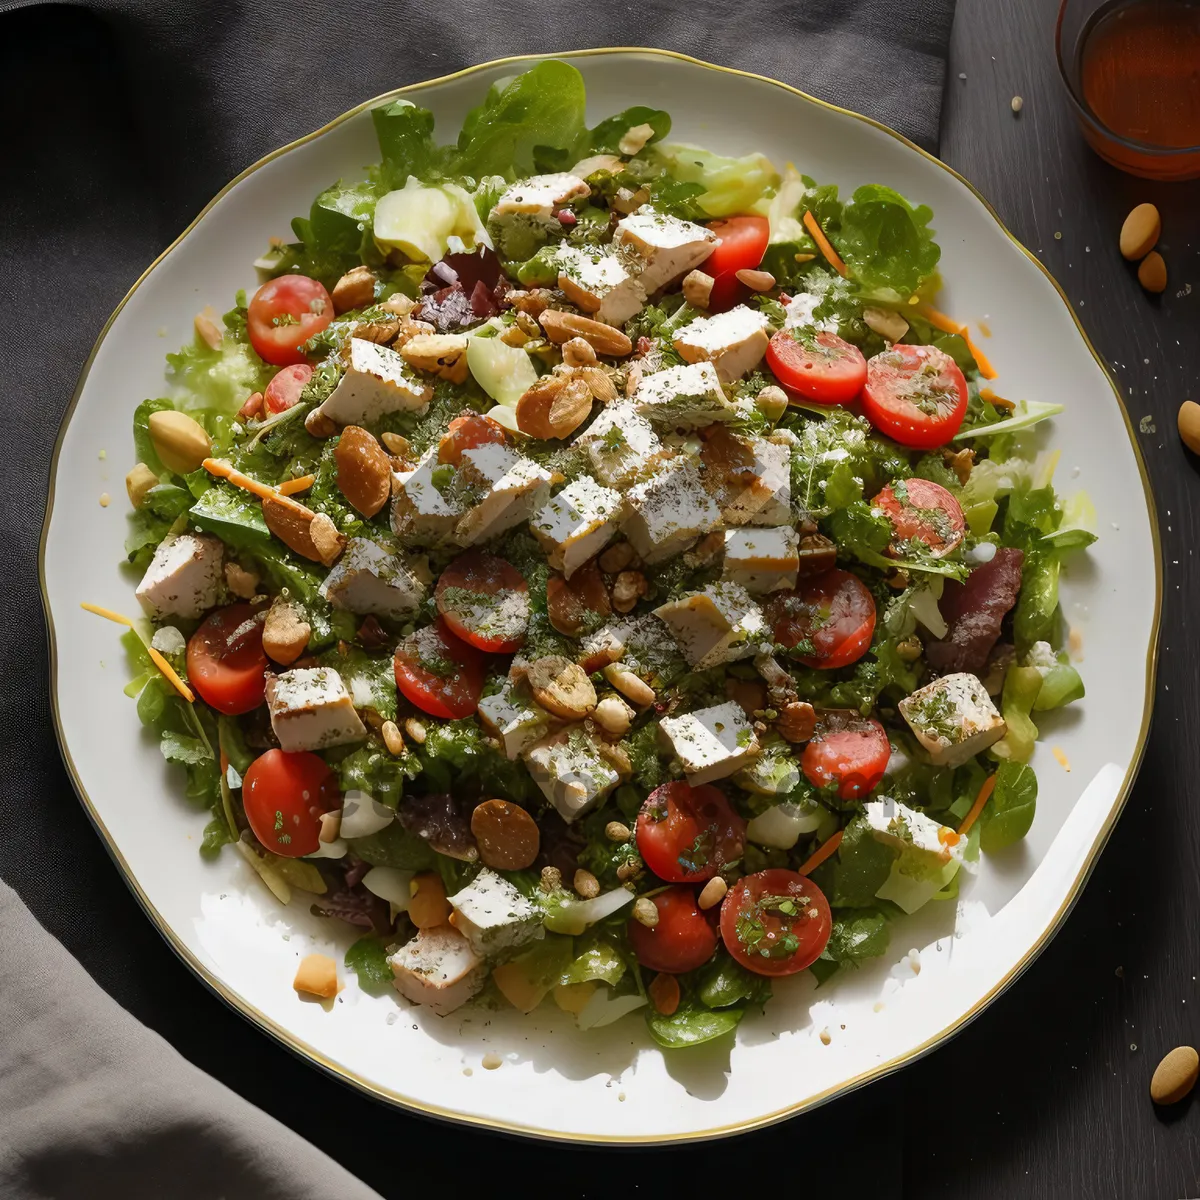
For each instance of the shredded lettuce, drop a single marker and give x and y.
(1026, 414)
(1021, 688)
(731, 185)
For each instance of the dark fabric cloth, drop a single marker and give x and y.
(122, 118)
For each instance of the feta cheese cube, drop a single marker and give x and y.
(686, 397)
(599, 284)
(513, 717)
(760, 493)
(620, 444)
(577, 524)
(524, 216)
(762, 560)
(423, 514)
(667, 246)
(668, 512)
(311, 710)
(719, 624)
(912, 831)
(571, 769)
(711, 743)
(373, 578)
(507, 489)
(377, 381)
(438, 969)
(184, 578)
(953, 718)
(493, 916)
(734, 341)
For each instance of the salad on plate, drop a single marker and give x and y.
(591, 567)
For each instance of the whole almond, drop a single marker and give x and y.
(1189, 425)
(570, 408)
(1175, 1076)
(561, 327)
(355, 289)
(179, 441)
(1140, 232)
(311, 535)
(1152, 274)
(364, 471)
(562, 687)
(756, 281)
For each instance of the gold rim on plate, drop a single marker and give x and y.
(288, 1039)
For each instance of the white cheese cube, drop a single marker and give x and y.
(184, 578)
(422, 514)
(507, 489)
(577, 524)
(719, 624)
(711, 743)
(377, 381)
(686, 397)
(734, 341)
(667, 246)
(620, 444)
(668, 512)
(541, 195)
(910, 830)
(953, 718)
(372, 578)
(762, 560)
(599, 284)
(493, 916)
(513, 717)
(761, 494)
(572, 771)
(438, 969)
(311, 710)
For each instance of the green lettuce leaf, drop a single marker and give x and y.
(367, 958)
(860, 867)
(394, 846)
(691, 1024)
(1009, 812)
(405, 133)
(1026, 414)
(605, 138)
(723, 983)
(731, 185)
(886, 243)
(596, 958)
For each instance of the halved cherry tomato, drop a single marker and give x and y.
(682, 940)
(775, 922)
(226, 662)
(688, 834)
(820, 367)
(284, 314)
(485, 601)
(469, 432)
(284, 389)
(834, 611)
(924, 510)
(847, 749)
(439, 673)
(284, 796)
(741, 245)
(578, 605)
(915, 394)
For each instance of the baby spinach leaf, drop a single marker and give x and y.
(1009, 812)
(691, 1024)
(367, 958)
(852, 876)
(405, 133)
(886, 242)
(607, 135)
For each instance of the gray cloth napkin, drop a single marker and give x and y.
(124, 118)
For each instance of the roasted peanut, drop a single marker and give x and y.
(561, 687)
(627, 589)
(364, 471)
(138, 482)
(631, 686)
(613, 715)
(355, 289)
(285, 632)
(586, 884)
(697, 288)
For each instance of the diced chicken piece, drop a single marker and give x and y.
(667, 246)
(184, 578)
(438, 969)
(711, 743)
(668, 512)
(506, 488)
(599, 284)
(761, 493)
(686, 397)
(493, 916)
(572, 771)
(577, 524)
(372, 578)
(513, 717)
(953, 718)
(311, 710)
(422, 513)
(734, 341)
(377, 381)
(620, 444)
(762, 560)
(719, 624)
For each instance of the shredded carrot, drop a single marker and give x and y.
(214, 466)
(159, 661)
(946, 324)
(290, 487)
(824, 245)
(821, 853)
(984, 793)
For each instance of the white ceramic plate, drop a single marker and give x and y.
(613, 1085)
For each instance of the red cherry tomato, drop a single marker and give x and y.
(284, 796)
(688, 834)
(741, 245)
(439, 672)
(915, 394)
(849, 750)
(284, 314)
(834, 611)
(819, 367)
(485, 601)
(682, 940)
(226, 662)
(469, 432)
(775, 922)
(922, 510)
(284, 390)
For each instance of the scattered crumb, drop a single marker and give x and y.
(879, 1006)
(1120, 972)
(1075, 644)
(390, 1019)
(468, 1070)
(103, 455)
(1063, 761)
(1058, 235)
(491, 1062)
(825, 1037)
(621, 1097)
(962, 74)
(1017, 105)
(105, 499)
(1146, 424)
(162, 332)
(984, 328)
